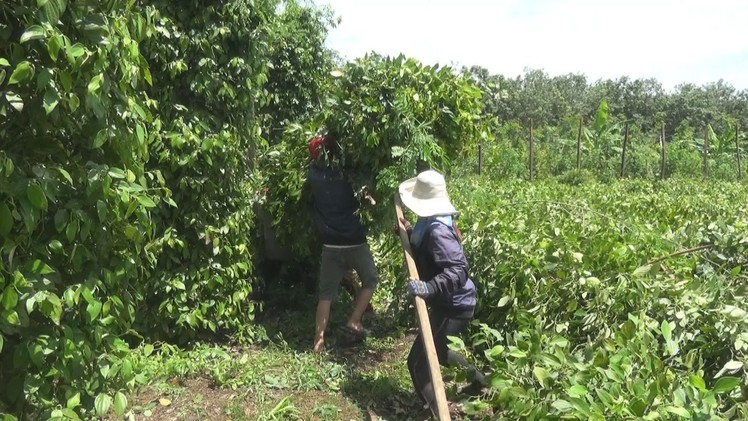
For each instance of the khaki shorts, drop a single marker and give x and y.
(337, 261)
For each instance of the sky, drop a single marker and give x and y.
(674, 41)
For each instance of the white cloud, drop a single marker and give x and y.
(674, 41)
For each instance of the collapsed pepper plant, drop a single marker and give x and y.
(390, 114)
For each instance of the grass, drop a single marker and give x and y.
(280, 378)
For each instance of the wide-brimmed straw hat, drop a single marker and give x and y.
(426, 195)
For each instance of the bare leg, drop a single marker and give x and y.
(323, 316)
(362, 301)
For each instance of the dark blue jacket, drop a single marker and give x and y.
(335, 207)
(441, 263)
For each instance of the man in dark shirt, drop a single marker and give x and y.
(343, 238)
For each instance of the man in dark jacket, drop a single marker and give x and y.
(343, 238)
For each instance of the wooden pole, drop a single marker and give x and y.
(579, 143)
(705, 159)
(623, 152)
(663, 155)
(423, 321)
(480, 156)
(737, 148)
(532, 152)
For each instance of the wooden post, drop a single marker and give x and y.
(623, 152)
(532, 152)
(423, 321)
(579, 142)
(705, 159)
(737, 149)
(663, 155)
(480, 156)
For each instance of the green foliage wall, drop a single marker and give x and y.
(76, 197)
(126, 131)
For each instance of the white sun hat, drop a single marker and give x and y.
(426, 195)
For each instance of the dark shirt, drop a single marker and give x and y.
(335, 207)
(441, 262)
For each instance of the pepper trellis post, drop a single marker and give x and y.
(623, 151)
(663, 155)
(737, 149)
(531, 164)
(579, 143)
(480, 157)
(705, 163)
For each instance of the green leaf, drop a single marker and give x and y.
(12, 318)
(560, 341)
(580, 405)
(36, 196)
(44, 79)
(93, 309)
(117, 173)
(73, 102)
(725, 384)
(74, 51)
(22, 73)
(542, 375)
(697, 382)
(120, 404)
(4, 62)
(504, 301)
(65, 79)
(147, 350)
(1, 342)
(70, 414)
(15, 101)
(642, 270)
(140, 133)
(74, 401)
(146, 201)
(66, 175)
(32, 32)
(51, 99)
(101, 210)
(41, 268)
(102, 404)
(51, 307)
(577, 390)
(605, 397)
(54, 44)
(666, 330)
(61, 219)
(53, 10)
(31, 302)
(517, 353)
(41, 3)
(55, 245)
(729, 367)
(6, 220)
(87, 294)
(601, 117)
(95, 84)
(10, 298)
(677, 410)
(562, 405)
